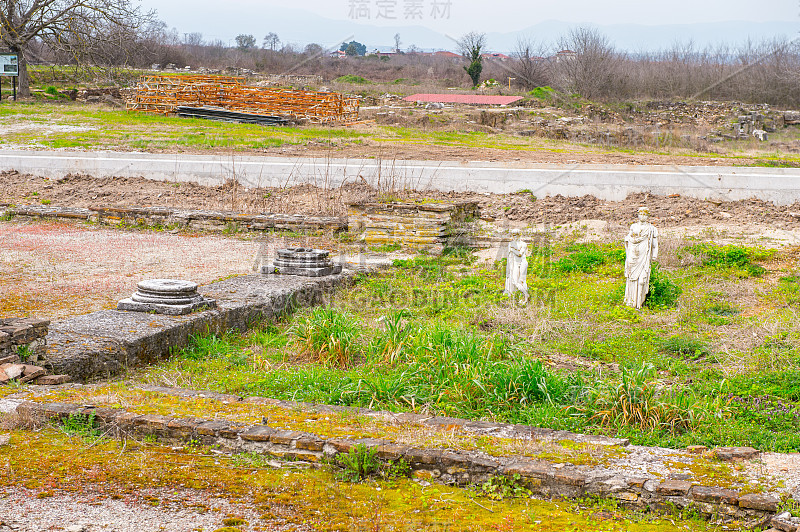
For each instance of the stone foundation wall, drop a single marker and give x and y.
(181, 219)
(105, 343)
(544, 479)
(23, 338)
(415, 224)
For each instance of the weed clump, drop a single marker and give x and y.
(214, 347)
(684, 347)
(328, 335)
(740, 260)
(586, 258)
(350, 78)
(637, 402)
(80, 425)
(543, 93)
(664, 293)
(505, 487)
(362, 463)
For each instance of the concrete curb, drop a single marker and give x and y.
(605, 181)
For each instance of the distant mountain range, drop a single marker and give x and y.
(303, 27)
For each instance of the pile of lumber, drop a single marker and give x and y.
(165, 93)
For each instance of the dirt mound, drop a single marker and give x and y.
(85, 191)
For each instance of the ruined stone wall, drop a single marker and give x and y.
(414, 224)
(22, 339)
(180, 219)
(458, 467)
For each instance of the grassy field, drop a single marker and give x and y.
(712, 360)
(52, 122)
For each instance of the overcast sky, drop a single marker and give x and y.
(225, 19)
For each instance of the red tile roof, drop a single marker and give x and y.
(480, 99)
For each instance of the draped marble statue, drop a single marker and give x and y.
(641, 247)
(517, 267)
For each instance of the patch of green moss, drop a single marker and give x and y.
(330, 425)
(289, 497)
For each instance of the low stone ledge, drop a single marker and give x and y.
(539, 471)
(18, 335)
(785, 523)
(730, 454)
(216, 221)
(447, 466)
(105, 343)
(257, 433)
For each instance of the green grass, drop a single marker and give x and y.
(435, 334)
(106, 128)
(350, 78)
(736, 260)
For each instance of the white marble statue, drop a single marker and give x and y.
(641, 247)
(517, 267)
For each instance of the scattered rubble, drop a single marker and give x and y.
(23, 343)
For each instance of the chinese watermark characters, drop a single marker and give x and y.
(399, 9)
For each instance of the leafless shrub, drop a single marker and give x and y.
(531, 64)
(592, 66)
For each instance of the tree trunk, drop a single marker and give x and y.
(23, 81)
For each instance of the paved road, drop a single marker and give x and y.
(609, 182)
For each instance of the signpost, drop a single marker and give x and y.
(9, 66)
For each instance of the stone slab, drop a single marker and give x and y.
(9, 359)
(12, 371)
(52, 380)
(104, 343)
(32, 372)
(130, 305)
(757, 501)
(729, 454)
(83, 356)
(715, 495)
(269, 269)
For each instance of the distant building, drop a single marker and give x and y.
(496, 56)
(565, 55)
(446, 54)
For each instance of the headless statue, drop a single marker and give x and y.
(517, 268)
(641, 247)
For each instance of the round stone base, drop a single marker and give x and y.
(307, 262)
(169, 310)
(166, 296)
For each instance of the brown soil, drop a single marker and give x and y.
(393, 150)
(675, 211)
(575, 154)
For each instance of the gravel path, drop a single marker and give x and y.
(182, 511)
(53, 270)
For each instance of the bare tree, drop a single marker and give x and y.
(587, 63)
(193, 39)
(397, 43)
(71, 25)
(531, 66)
(271, 41)
(471, 45)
